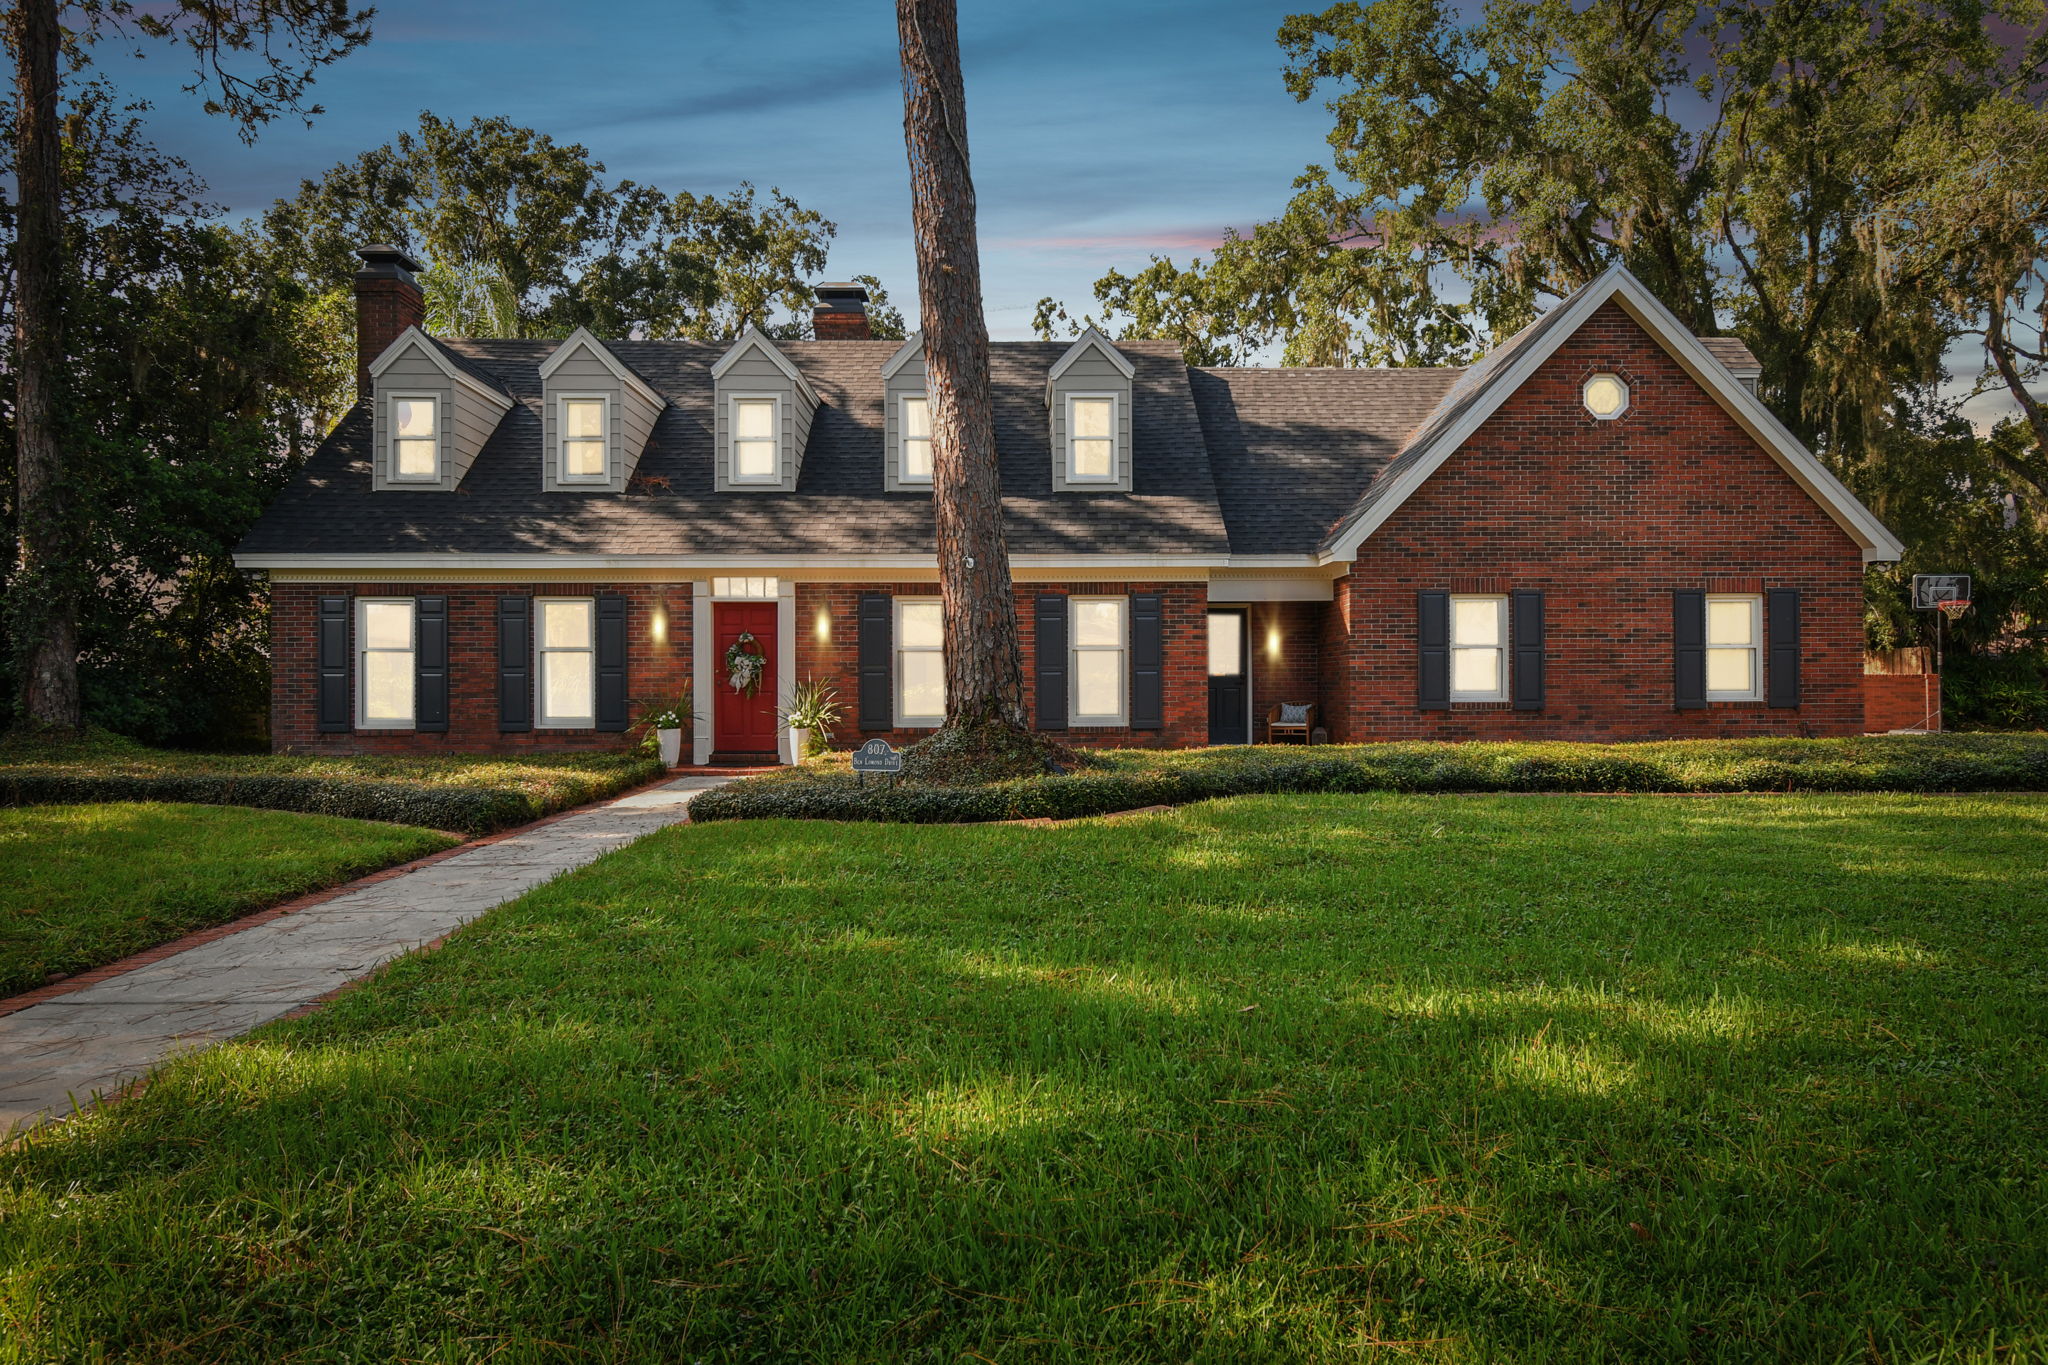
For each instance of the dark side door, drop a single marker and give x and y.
(1230, 683)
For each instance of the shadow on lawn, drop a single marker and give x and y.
(780, 1092)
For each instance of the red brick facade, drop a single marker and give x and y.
(1901, 701)
(833, 653)
(656, 671)
(1608, 519)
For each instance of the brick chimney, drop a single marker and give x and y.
(842, 313)
(388, 301)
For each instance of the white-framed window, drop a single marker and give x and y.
(920, 662)
(1098, 644)
(1091, 438)
(916, 426)
(1605, 396)
(384, 663)
(1735, 640)
(415, 437)
(756, 439)
(584, 420)
(565, 649)
(1479, 648)
(746, 589)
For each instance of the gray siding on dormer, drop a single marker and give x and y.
(909, 380)
(752, 374)
(467, 420)
(1091, 372)
(630, 418)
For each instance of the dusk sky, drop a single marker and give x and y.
(1101, 132)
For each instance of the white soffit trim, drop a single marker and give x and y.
(754, 338)
(429, 563)
(1749, 412)
(1272, 589)
(1087, 341)
(413, 336)
(582, 337)
(910, 350)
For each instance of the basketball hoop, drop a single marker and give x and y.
(1954, 608)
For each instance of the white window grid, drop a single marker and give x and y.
(1470, 656)
(771, 442)
(915, 445)
(434, 406)
(544, 654)
(905, 718)
(1074, 474)
(1747, 652)
(364, 651)
(1121, 650)
(602, 441)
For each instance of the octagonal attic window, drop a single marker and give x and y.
(1606, 396)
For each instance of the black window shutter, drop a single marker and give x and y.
(333, 713)
(611, 663)
(1433, 650)
(1148, 659)
(1052, 662)
(1526, 627)
(1781, 630)
(515, 663)
(877, 645)
(430, 663)
(1689, 650)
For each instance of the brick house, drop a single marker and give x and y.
(1596, 532)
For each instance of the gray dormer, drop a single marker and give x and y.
(762, 417)
(906, 421)
(596, 416)
(1088, 407)
(433, 411)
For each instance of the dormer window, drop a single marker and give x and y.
(917, 439)
(763, 424)
(1091, 438)
(584, 438)
(1088, 395)
(756, 443)
(416, 438)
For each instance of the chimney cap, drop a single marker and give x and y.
(842, 297)
(382, 254)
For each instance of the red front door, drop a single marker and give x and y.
(743, 724)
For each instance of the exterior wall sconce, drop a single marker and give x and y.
(657, 623)
(1273, 644)
(824, 626)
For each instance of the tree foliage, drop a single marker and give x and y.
(197, 376)
(525, 236)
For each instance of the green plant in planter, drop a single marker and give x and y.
(680, 716)
(813, 706)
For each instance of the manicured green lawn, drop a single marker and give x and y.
(81, 886)
(1393, 1077)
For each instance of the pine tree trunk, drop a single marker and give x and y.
(984, 670)
(46, 603)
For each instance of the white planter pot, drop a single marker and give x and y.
(670, 742)
(799, 742)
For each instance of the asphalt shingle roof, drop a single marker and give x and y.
(1225, 461)
(839, 506)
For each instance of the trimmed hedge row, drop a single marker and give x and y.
(1917, 765)
(447, 806)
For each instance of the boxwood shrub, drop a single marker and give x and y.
(1128, 779)
(463, 808)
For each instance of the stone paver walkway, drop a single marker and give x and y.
(69, 1049)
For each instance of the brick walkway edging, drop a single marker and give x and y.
(79, 981)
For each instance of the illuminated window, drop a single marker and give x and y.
(1479, 640)
(583, 440)
(917, 439)
(745, 587)
(566, 644)
(1734, 647)
(384, 663)
(756, 444)
(920, 662)
(415, 437)
(1606, 396)
(1098, 643)
(1091, 438)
